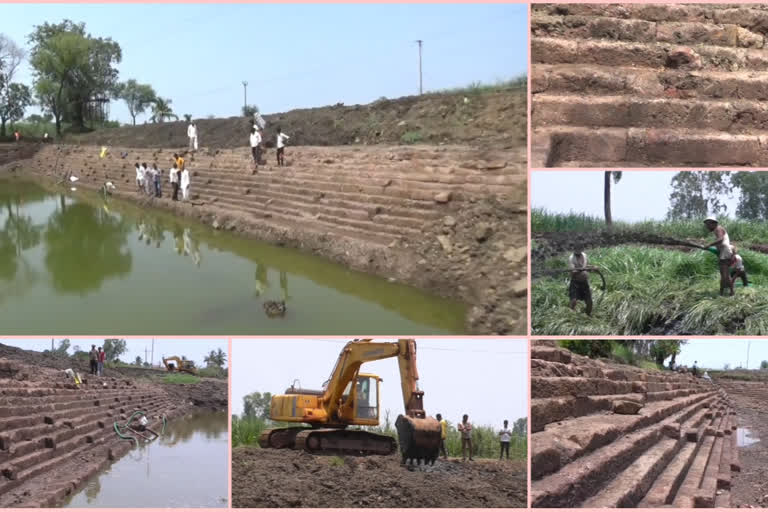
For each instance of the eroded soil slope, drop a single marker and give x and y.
(286, 478)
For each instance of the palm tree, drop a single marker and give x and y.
(616, 177)
(216, 358)
(161, 110)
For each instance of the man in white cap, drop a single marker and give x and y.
(723, 245)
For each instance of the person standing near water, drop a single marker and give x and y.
(255, 140)
(185, 185)
(281, 138)
(174, 178)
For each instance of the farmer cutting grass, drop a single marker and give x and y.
(723, 245)
(737, 269)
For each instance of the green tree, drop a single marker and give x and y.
(61, 349)
(138, 97)
(609, 176)
(257, 405)
(753, 195)
(662, 349)
(216, 359)
(695, 194)
(249, 110)
(520, 427)
(13, 101)
(137, 361)
(114, 348)
(593, 348)
(764, 365)
(161, 110)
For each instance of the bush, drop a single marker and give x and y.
(411, 137)
(593, 349)
(246, 430)
(180, 378)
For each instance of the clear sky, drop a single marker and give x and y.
(715, 353)
(486, 379)
(292, 56)
(195, 349)
(640, 195)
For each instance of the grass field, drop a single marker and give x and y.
(181, 378)
(654, 291)
(543, 221)
(246, 431)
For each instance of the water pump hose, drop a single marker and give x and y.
(119, 432)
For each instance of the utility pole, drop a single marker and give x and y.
(145, 354)
(152, 363)
(420, 42)
(749, 343)
(245, 94)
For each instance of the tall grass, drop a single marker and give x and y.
(246, 430)
(654, 291)
(181, 378)
(543, 221)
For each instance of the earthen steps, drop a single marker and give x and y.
(744, 15)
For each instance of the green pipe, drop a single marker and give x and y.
(121, 436)
(163, 431)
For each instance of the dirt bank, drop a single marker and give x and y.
(286, 478)
(494, 119)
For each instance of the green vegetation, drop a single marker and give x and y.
(181, 378)
(739, 230)
(246, 430)
(336, 461)
(517, 83)
(654, 291)
(647, 354)
(411, 137)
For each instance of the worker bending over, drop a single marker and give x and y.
(579, 286)
(723, 245)
(737, 269)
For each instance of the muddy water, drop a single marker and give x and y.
(186, 467)
(745, 437)
(70, 262)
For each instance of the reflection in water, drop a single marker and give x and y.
(185, 467)
(81, 259)
(745, 437)
(84, 247)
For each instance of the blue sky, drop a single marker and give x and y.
(293, 56)
(485, 378)
(715, 353)
(195, 349)
(640, 195)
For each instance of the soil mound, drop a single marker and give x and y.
(285, 478)
(496, 119)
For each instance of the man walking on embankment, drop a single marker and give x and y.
(723, 245)
(94, 360)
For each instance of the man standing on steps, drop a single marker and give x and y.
(281, 138)
(255, 141)
(174, 178)
(723, 245)
(465, 427)
(94, 360)
(192, 134)
(102, 357)
(579, 286)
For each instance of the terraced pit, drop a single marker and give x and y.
(592, 447)
(642, 85)
(55, 436)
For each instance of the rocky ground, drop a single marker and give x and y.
(265, 478)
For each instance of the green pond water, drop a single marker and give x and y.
(188, 466)
(71, 263)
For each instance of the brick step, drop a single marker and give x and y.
(16, 397)
(322, 222)
(732, 116)
(271, 199)
(629, 487)
(551, 50)
(600, 80)
(744, 15)
(553, 387)
(567, 441)
(642, 31)
(576, 482)
(661, 147)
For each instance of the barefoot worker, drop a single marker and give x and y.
(579, 286)
(465, 427)
(723, 245)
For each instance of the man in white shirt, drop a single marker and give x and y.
(737, 269)
(192, 134)
(255, 140)
(505, 436)
(185, 184)
(139, 177)
(579, 286)
(281, 138)
(723, 245)
(174, 179)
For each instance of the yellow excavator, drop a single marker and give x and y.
(176, 364)
(351, 398)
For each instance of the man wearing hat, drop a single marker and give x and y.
(723, 245)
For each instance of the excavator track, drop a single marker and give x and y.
(347, 442)
(279, 437)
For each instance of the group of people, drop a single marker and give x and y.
(97, 358)
(256, 139)
(465, 429)
(730, 265)
(149, 180)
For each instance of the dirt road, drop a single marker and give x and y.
(285, 478)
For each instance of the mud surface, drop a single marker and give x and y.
(750, 487)
(286, 478)
(493, 119)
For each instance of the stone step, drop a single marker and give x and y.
(717, 116)
(662, 147)
(642, 31)
(685, 496)
(552, 50)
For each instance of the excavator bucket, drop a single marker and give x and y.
(419, 439)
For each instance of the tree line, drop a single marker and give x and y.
(74, 76)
